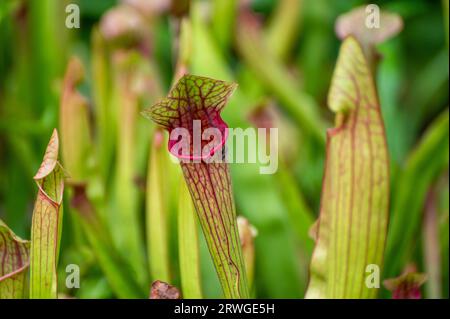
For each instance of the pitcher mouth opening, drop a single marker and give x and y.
(193, 145)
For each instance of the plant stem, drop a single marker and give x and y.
(188, 245)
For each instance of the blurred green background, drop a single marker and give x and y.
(282, 54)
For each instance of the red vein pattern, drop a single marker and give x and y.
(209, 183)
(355, 194)
(210, 188)
(46, 223)
(193, 98)
(14, 261)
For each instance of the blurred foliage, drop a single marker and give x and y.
(282, 54)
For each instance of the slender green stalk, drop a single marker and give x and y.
(46, 60)
(157, 210)
(74, 125)
(408, 204)
(106, 116)
(223, 20)
(300, 214)
(118, 272)
(284, 27)
(188, 246)
(126, 226)
(445, 13)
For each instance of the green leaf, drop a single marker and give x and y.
(118, 272)
(300, 215)
(105, 115)
(14, 254)
(74, 124)
(126, 205)
(46, 224)
(223, 18)
(157, 211)
(445, 12)
(409, 202)
(284, 27)
(354, 205)
(188, 246)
